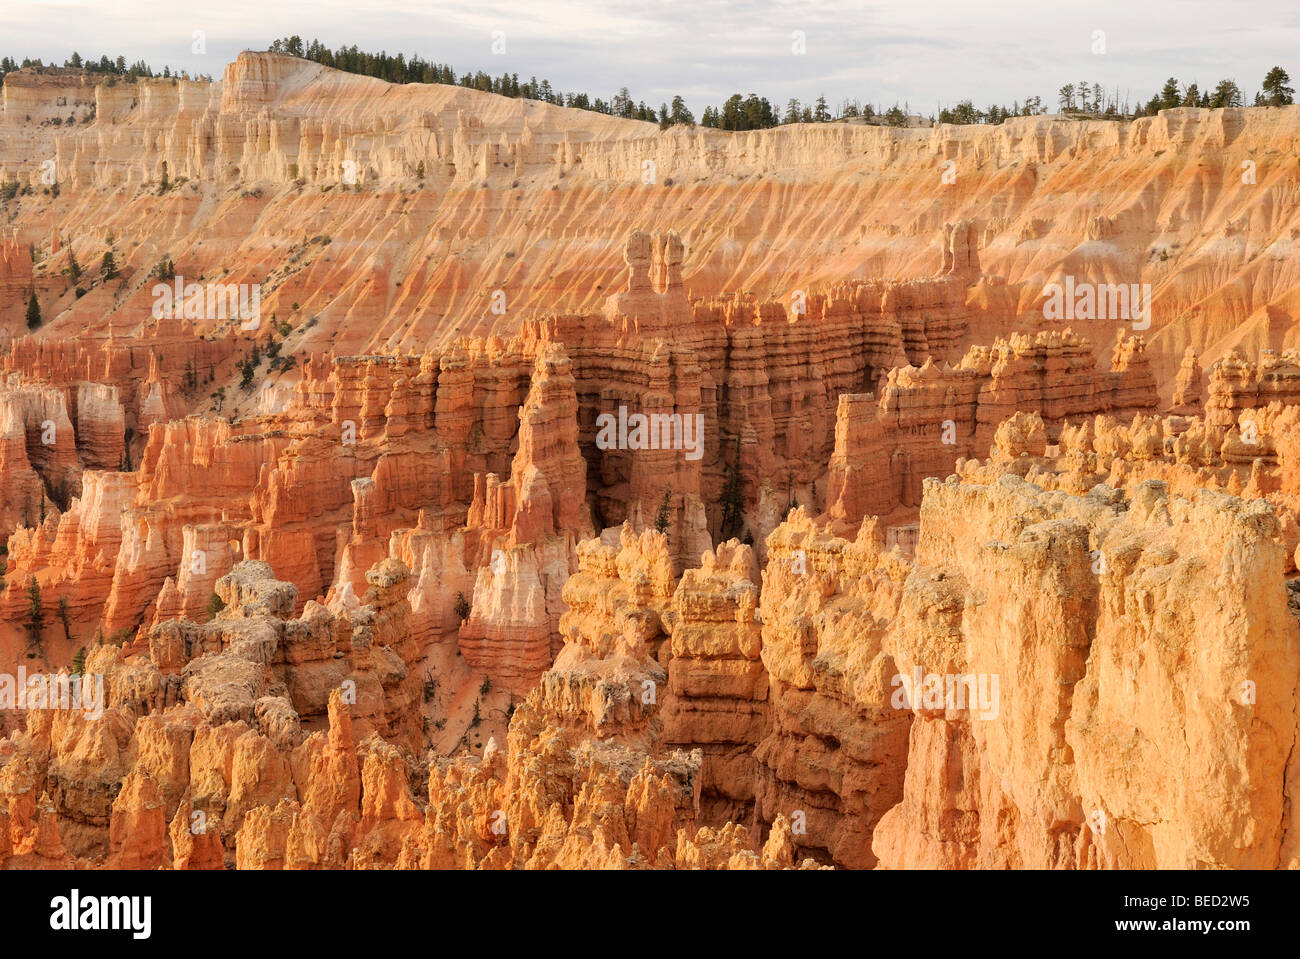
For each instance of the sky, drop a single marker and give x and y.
(915, 52)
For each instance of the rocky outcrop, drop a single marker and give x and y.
(833, 761)
(1094, 652)
(1188, 389)
(1236, 384)
(928, 419)
(717, 695)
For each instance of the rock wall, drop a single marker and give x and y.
(833, 762)
(1104, 668)
(928, 419)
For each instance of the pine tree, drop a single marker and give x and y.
(33, 310)
(1277, 88)
(35, 621)
(1169, 96)
(74, 268)
(79, 662)
(1226, 94)
(663, 517)
(462, 607)
(108, 266)
(64, 618)
(680, 114)
(732, 498)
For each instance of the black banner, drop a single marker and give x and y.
(801, 907)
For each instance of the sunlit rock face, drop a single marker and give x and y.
(757, 511)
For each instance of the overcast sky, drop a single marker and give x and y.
(911, 51)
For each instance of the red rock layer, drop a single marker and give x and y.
(927, 419)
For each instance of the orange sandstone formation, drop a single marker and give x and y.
(1112, 658)
(548, 516)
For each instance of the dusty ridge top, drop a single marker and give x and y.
(290, 87)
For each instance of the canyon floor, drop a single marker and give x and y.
(432, 479)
